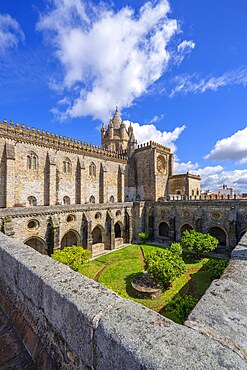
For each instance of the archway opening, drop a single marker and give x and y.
(164, 230)
(219, 234)
(184, 228)
(97, 235)
(118, 230)
(69, 239)
(38, 244)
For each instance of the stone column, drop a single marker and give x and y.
(102, 187)
(51, 179)
(89, 236)
(112, 234)
(120, 184)
(80, 182)
(9, 175)
(232, 236)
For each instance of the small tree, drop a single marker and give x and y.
(165, 266)
(72, 256)
(176, 248)
(198, 242)
(143, 237)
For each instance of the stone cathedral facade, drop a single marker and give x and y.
(43, 169)
(57, 191)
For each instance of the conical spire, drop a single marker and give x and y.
(116, 120)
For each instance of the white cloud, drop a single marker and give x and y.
(110, 57)
(194, 84)
(156, 118)
(233, 148)
(214, 176)
(186, 46)
(149, 132)
(10, 32)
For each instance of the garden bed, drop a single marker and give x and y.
(117, 270)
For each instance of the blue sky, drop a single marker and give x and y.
(176, 69)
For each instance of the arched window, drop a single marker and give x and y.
(66, 200)
(67, 166)
(32, 201)
(92, 199)
(92, 170)
(192, 193)
(32, 161)
(111, 199)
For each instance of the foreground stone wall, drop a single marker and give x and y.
(68, 321)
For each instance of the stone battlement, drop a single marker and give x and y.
(22, 133)
(68, 321)
(153, 144)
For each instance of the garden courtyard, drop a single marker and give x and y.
(117, 269)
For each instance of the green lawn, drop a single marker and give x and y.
(116, 270)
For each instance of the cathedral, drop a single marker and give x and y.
(57, 191)
(39, 168)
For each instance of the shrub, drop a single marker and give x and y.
(72, 256)
(176, 248)
(143, 237)
(180, 307)
(198, 242)
(216, 267)
(165, 266)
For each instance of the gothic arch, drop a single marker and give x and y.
(219, 233)
(92, 199)
(32, 201)
(164, 229)
(32, 161)
(118, 230)
(67, 166)
(70, 238)
(38, 244)
(184, 227)
(66, 200)
(98, 234)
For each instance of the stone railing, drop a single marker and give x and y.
(68, 321)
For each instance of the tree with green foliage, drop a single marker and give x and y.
(176, 248)
(143, 237)
(164, 266)
(198, 242)
(216, 267)
(72, 256)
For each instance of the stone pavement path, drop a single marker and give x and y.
(13, 355)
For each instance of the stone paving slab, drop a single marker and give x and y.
(13, 354)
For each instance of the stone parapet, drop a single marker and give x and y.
(222, 312)
(68, 321)
(37, 137)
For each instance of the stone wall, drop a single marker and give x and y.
(70, 225)
(35, 170)
(68, 321)
(228, 218)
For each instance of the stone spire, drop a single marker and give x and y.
(132, 143)
(116, 120)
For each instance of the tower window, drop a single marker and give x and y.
(92, 170)
(32, 161)
(67, 166)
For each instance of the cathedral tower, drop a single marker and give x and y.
(116, 137)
